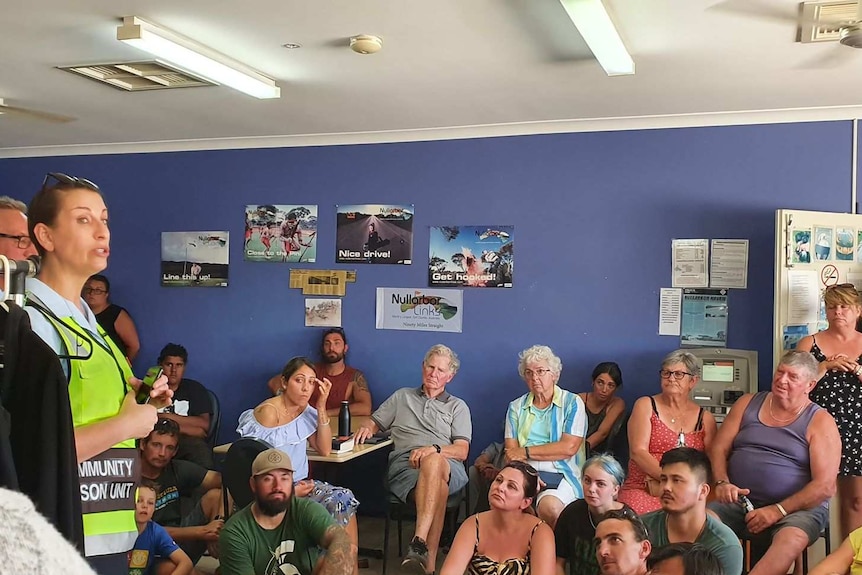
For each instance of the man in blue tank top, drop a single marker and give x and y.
(782, 452)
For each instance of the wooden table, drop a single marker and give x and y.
(355, 423)
(358, 451)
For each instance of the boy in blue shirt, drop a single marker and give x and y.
(154, 545)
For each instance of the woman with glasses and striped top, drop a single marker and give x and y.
(838, 348)
(661, 422)
(506, 540)
(546, 428)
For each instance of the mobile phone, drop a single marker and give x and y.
(153, 374)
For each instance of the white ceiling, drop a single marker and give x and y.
(448, 68)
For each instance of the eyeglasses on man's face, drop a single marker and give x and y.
(94, 291)
(674, 375)
(538, 372)
(68, 180)
(24, 242)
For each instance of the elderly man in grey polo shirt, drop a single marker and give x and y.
(431, 430)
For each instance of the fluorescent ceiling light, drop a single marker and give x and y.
(195, 58)
(597, 29)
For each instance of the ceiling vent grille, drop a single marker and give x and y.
(822, 21)
(139, 76)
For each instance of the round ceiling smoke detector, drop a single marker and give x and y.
(366, 44)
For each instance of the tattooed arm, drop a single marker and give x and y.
(359, 396)
(340, 558)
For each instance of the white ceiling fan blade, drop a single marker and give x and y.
(46, 116)
(755, 9)
(834, 57)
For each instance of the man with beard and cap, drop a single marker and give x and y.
(348, 383)
(279, 533)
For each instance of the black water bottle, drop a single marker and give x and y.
(344, 419)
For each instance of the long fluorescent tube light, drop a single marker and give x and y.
(195, 58)
(598, 31)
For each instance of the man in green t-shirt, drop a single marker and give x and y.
(279, 533)
(685, 477)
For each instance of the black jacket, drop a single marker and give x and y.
(34, 395)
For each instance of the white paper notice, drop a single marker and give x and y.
(729, 264)
(803, 296)
(689, 261)
(670, 309)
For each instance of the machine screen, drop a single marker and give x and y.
(721, 371)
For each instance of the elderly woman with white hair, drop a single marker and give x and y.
(546, 428)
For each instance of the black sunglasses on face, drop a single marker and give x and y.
(67, 180)
(23, 242)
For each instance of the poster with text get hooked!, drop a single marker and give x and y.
(374, 234)
(280, 233)
(195, 259)
(471, 256)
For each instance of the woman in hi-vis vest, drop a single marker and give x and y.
(68, 223)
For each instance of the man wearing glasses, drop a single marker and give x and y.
(15, 241)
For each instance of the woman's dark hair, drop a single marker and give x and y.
(696, 559)
(293, 366)
(100, 278)
(531, 477)
(45, 205)
(612, 369)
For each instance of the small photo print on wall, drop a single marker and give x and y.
(823, 238)
(802, 246)
(845, 239)
(471, 256)
(195, 259)
(374, 234)
(322, 312)
(280, 233)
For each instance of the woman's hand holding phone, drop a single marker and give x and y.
(153, 389)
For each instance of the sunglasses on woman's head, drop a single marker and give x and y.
(525, 467)
(67, 180)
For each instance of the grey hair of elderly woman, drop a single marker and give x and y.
(690, 362)
(537, 354)
(440, 349)
(803, 359)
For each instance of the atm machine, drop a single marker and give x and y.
(725, 375)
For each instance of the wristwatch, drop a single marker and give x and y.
(437, 447)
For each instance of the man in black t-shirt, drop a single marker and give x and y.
(178, 482)
(191, 408)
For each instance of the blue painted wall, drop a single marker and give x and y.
(594, 214)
